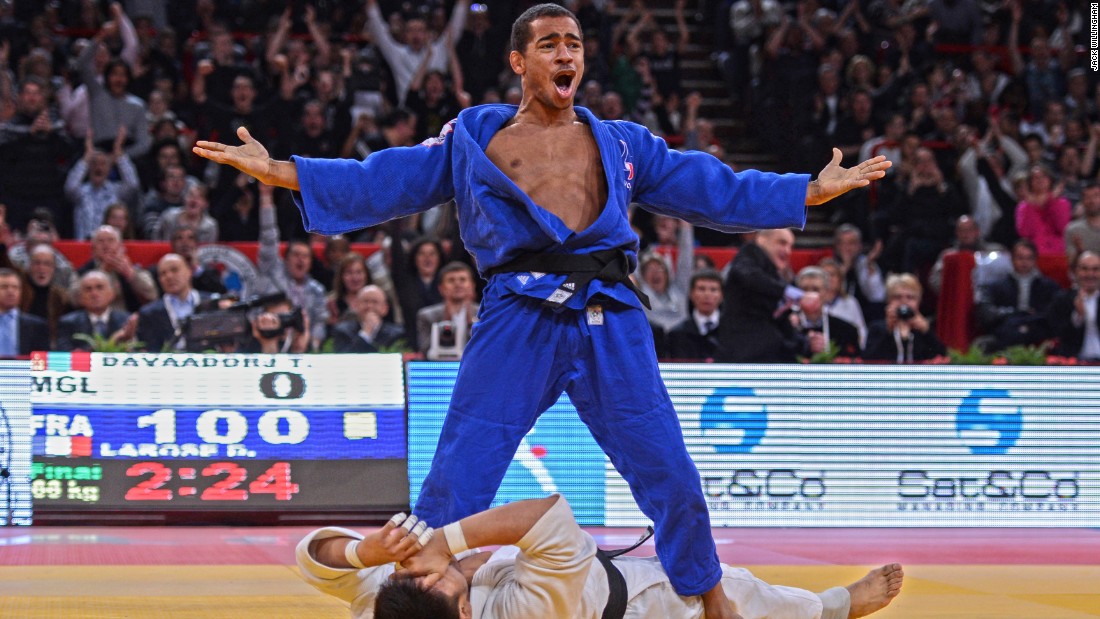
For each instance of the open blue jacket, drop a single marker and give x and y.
(498, 222)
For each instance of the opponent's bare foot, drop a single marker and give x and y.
(875, 590)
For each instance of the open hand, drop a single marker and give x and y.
(835, 180)
(251, 157)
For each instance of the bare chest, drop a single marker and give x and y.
(558, 168)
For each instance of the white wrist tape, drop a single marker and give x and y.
(351, 555)
(456, 541)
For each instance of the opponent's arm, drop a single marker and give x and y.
(501, 526)
(252, 159)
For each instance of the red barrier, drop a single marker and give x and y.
(146, 253)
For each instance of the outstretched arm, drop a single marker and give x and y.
(835, 180)
(252, 159)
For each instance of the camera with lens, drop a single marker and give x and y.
(448, 338)
(222, 320)
(904, 312)
(294, 319)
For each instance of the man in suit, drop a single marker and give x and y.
(1013, 308)
(95, 295)
(20, 333)
(159, 320)
(370, 332)
(1072, 316)
(459, 307)
(185, 243)
(696, 337)
(759, 301)
(813, 321)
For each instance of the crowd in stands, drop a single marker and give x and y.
(987, 109)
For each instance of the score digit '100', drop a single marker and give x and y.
(274, 481)
(206, 426)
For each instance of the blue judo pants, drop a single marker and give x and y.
(519, 359)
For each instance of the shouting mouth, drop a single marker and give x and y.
(563, 83)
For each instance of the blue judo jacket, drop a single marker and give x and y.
(498, 222)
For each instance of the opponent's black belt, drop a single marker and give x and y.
(608, 265)
(616, 584)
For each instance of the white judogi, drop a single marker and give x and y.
(552, 572)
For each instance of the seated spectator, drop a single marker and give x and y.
(90, 189)
(415, 275)
(169, 194)
(160, 321)
(968, 237)
(696, 337)
(192, 213)
(860, 275)
(136, 287)
(20, 333)
(185, 243)
(95, 317)
(117, 216)
(1042, 214)
(1072, 317)
(838, 302)
(42, 297)
(814, 321)
(1084, 234)
(368, 331)
(351, 276)
(443, 329)
(1013, 309)
(759, 299)
(291, 274)
(41, 231)
(904, 336)
(668, 290)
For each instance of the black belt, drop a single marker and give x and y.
(616, 584)
(609, 265)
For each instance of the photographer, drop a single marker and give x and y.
(905, 336)
(281, 328)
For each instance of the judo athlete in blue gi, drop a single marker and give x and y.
(542, 193)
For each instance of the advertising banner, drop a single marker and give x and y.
(844, 446)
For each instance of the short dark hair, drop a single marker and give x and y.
(521, 28)
(403, 599)
(118, 62)
(705, 275)
(292, 242)
(454, 266)
(398, 115)
(1028, 243)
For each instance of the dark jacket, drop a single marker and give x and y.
(753, 292)
(80, 322)
(346, 338)
(155, 325)
(881, 345)
(842, 333)
(1060, 323)
(997, 314)
(686, 341)
(34, 334)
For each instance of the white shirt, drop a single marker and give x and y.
(552, 572)
(1090, 346)
(701, 321)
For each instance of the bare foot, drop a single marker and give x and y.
(875, 590)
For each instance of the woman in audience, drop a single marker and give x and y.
(1042, 214)
(350, 277)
